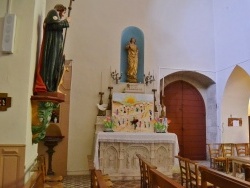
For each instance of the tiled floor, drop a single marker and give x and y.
(84, 182)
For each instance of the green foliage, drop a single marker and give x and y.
(45, 110)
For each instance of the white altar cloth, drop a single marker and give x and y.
(141, 137)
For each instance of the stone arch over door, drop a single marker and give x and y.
(207, 89)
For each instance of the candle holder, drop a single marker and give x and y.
(162, 108)
(155, 108)
(116, 76)
(110, 98)
(149, 78)
(101, 112)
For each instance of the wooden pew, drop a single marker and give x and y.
(246, 168)
(145, 166)
(98, 180)
(159, 180)
(220, 179)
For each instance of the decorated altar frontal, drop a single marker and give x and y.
(115, 153)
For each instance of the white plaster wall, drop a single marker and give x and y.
(178, 35)
(16, 75)
(235, 105)
(232, 46)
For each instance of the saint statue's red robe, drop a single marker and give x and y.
(51, 60)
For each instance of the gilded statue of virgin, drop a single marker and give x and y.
(132, 61)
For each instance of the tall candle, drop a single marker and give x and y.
(162, 91)
(110, 76)
(153, 78)
(101, 81)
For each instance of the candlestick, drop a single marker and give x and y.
(155, 108)
(110, 98)
(100, 112)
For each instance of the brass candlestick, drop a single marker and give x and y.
(116, 76)
(110, 98)
(155, 108)
(101, 112)
(149, 78)
(162, 108)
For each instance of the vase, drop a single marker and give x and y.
(108, 130)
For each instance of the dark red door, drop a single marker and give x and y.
(186, 110)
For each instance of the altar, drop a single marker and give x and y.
(115, 153)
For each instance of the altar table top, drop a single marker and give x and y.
(128, 137)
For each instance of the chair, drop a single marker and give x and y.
(42, 168)
(242, 149)
(183, 170)
(94, 175)
(195, 179)
(217, 160)
(246, 168)
(227, 151)
(145, 167)
(48, 178)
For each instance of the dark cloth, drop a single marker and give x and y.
(51, 59)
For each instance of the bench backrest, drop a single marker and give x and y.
(159, 180)
(220, 179)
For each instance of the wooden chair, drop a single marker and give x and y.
(217, 160)
(50, 178)
(242, 149)
(145, 167)
(42, 168)
(159, 180)
(183, 170)
(195, 179)
(94, 174)
(227, 151)
(246, 168)
(220, 179)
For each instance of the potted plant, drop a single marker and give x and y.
(159, 126)
(109, 124)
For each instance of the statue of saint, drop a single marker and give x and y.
(132, 61)
(51, 59)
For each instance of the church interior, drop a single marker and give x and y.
(144, 90)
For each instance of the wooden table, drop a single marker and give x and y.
(239, 160)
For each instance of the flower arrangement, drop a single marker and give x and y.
(109, 124)
(160, 125)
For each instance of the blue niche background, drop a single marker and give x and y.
(127, 34)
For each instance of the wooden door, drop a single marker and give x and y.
(186, 110)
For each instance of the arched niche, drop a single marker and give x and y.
(127, 34)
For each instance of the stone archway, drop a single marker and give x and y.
(206, 87)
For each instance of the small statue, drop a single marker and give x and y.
(132, 61)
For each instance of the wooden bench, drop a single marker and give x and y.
(98, 180)
(145, 166)
(159, 180)
(246, 168)
(220, 179)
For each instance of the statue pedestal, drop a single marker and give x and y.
(51, 142)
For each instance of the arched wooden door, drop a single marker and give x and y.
(186, 110)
